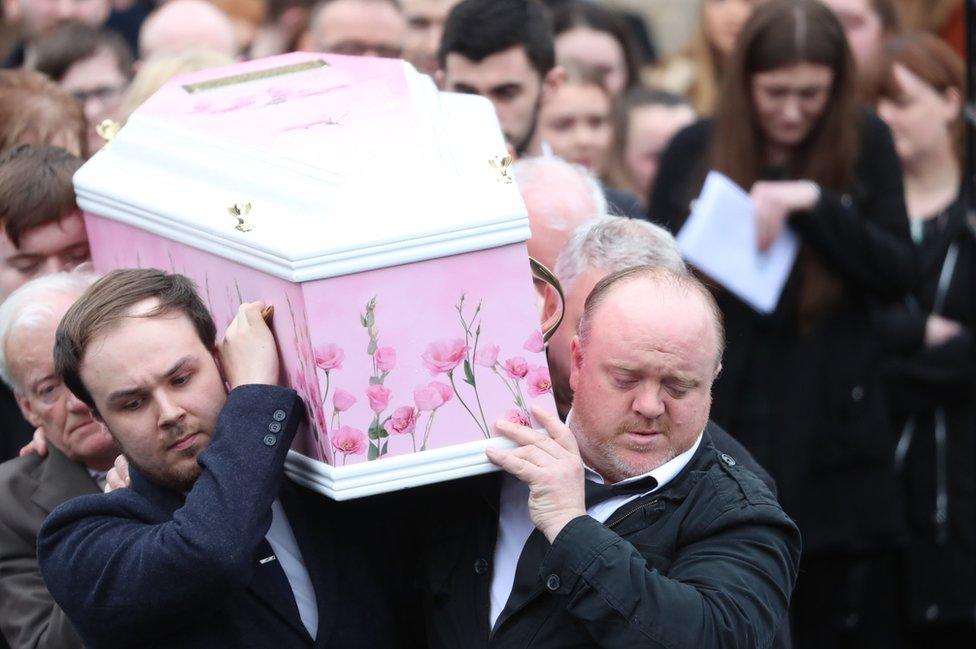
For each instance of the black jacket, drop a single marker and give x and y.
(148, 567)
(709, 560)
(937, 469)
(805, 397)
(15, 432)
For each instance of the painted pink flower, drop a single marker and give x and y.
(517, 417)
(329, 357)
(534, 343)
(538, 381)
(379, 398)
(487, 356)
(443, 389)
(402, 422)
(385, 359)
(342, 400)
(444, 355)
(432, 396)
(516, 367)
(349, 440)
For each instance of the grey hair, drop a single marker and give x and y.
(559, 190)
(614, 243)
(29, 307)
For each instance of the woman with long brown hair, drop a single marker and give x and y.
(800, 386)
(932, 380)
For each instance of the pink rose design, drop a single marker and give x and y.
(534, 343)
(349, 440)
(487, 356)
(403, 421)
(444, 355)
(342, 400)
(385, 359)
(432, 396)
(517, 417)
(379, 398)
(538, 381)
(516, 367)
(329, 357)
(443, 389)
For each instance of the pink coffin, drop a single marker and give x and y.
(377, 216)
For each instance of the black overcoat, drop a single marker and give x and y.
(805, 397)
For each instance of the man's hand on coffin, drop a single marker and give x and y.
(248, 354)
(38, 445)
(549, 462)
(118, 476)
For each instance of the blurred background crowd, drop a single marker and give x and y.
(844, 121)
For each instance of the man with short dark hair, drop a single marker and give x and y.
(94, 66)
(210, 546)
(628, 527)
(42, 233)
(502, 50)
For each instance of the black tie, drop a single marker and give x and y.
(527, 579)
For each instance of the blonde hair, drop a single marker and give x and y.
(154, 73)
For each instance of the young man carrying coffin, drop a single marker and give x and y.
(210, 546)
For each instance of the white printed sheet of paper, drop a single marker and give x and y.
(719, 238)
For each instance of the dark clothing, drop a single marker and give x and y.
(149, 567)
(804, 395)
(725, 443)
(16, 57)
(709, 560)
(128, 22)
(623, 203)
(30, 488)
(15, 431)
(932, 396)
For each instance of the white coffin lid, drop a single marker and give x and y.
(349, 166)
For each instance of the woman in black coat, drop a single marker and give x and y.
(931, 382)
(800, 387)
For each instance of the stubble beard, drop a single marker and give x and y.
(603, 455)
(179, 476)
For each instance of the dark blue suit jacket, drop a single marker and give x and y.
(147, 566)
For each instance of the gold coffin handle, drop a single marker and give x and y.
(543, 274)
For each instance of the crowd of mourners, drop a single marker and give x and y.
(724, 477)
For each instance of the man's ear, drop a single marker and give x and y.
(25, 408)
(552, 81)
(220, 368)
(576, 351)
(953, 97)
(718, 370)
(550, 303)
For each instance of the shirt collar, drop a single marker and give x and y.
(663, 474)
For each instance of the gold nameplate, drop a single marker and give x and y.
(235, 79)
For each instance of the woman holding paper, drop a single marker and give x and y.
(932, 381)
(800, 386)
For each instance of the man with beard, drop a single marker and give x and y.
(502, 50)
(628, 527)
(79, 452)
(210, 546)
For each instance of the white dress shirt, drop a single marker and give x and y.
(281, 538)
(515, 526)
